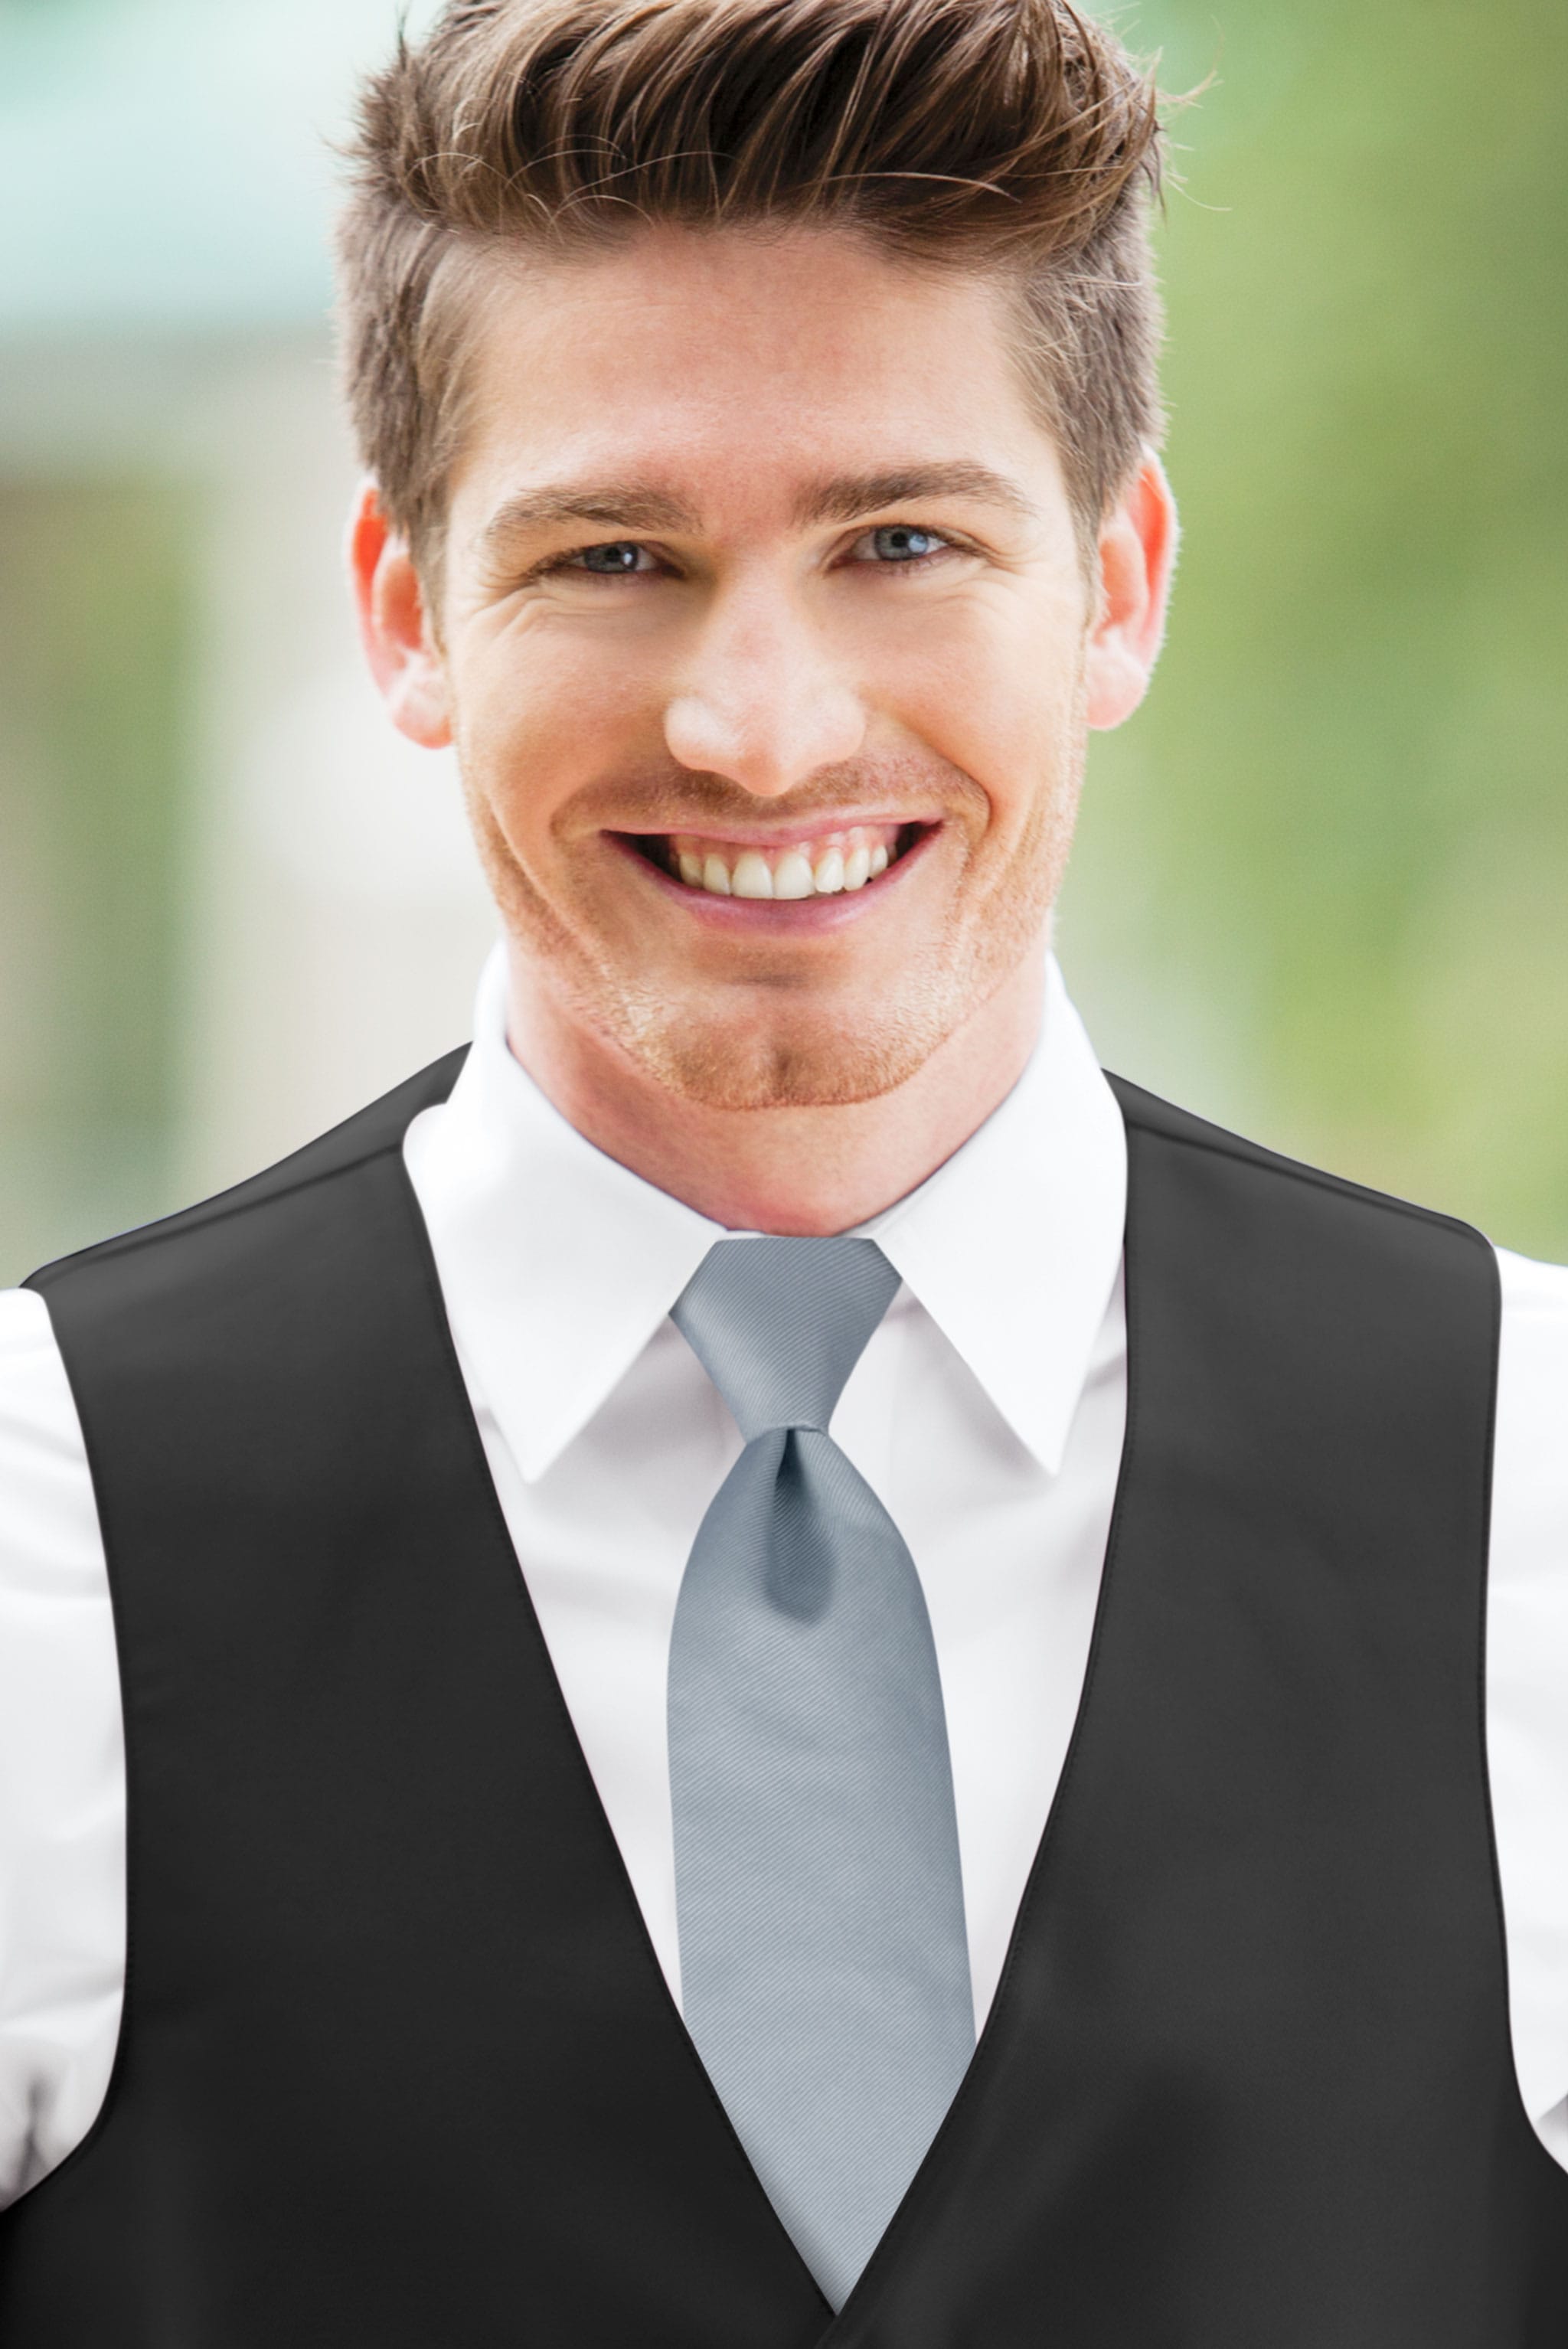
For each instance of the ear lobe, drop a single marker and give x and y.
(394, 627)
(1137, 557)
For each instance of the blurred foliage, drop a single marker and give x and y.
(1322, 888)
(94, 679)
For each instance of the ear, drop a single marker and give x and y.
(394, 627)
(1137, 557)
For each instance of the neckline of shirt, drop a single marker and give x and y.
(558, 1264)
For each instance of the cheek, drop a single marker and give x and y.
(540, 716)
(1004, 706)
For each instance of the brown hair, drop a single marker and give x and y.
(1007, 135)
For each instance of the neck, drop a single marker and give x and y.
(799, 1173)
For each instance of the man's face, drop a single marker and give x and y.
(762, 637)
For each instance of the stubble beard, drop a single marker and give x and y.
(815, 1056)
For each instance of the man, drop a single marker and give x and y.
(770, 1519)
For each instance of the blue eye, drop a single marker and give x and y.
(617, 560)
(902, 541)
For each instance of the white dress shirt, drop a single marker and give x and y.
(987, 1411)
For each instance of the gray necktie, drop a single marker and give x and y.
(824, 1967)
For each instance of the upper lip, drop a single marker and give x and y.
(777, 834)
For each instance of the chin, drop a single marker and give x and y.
(819, 1062)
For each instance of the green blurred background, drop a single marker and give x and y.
(1320, 889)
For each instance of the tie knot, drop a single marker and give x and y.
(778, 1324)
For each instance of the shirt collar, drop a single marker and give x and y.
(558, 1264)
(1013, 1246)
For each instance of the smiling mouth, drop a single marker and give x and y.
(825, 864)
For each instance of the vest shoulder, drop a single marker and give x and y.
(1145, 1112)
(370, 1132)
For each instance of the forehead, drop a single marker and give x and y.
(738, 357)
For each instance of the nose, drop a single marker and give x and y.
(762, 701)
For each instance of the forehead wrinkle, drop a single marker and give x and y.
(850, 495)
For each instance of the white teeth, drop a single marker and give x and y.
(810, 869)
(792, 876)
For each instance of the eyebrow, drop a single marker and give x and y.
(617, 505)
(628, 506)
(854, 494)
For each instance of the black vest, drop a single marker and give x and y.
(398, 2069)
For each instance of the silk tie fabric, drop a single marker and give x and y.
(824, 1964)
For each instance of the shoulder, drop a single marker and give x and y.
(1534, 1296)
(1532, 1378)
(1334, 1245)
(1151, 1119)
(1527, 1662)
(373, 1131)
(249, 1288)
(50, 1553)
(38, 1434)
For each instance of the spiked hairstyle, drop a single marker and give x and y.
(1014, 137)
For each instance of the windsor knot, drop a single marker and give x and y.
(780, 1324)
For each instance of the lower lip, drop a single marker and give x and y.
(773, 915)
